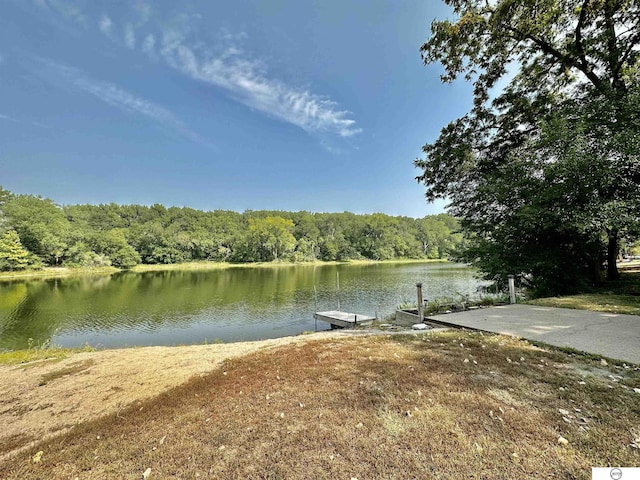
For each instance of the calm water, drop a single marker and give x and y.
(188, 307)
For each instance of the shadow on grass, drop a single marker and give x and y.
(621, 296)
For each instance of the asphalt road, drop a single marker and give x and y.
(607, 334)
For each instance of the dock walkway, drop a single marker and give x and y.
(339, 319)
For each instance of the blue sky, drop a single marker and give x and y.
(280, 104)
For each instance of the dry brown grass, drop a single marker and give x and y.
(367, 408)
(77, 367)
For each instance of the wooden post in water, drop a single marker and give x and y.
(420, 306)
(315, 302)
(338, 288)
(512, 289)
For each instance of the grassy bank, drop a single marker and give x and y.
(597, 302)
(38, 354)
(449, 405)
(222, 265)
(622, 296)
(57, 272)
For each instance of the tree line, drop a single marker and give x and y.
(36, 232)
(544, 170)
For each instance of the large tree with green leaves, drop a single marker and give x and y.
(41, 225)
(511, 176)
(271, 237)
(13, 256)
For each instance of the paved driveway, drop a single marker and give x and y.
(608, 334)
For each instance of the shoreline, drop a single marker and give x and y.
(63, 272)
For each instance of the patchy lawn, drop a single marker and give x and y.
(597, 302)
(447, 405)
(622, 296)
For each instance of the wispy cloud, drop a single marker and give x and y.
(15, 120)
(246, 78)
(129, 36)
(248, 81)
(143, 10)
(6, 117)
(42, 4)
(66, 8)
(148, 46)
(116, 97)
(105, 25)
(223, 64)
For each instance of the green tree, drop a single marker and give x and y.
(5, 195)
(307, 235)
(13, 256)
(438, 236)
(271, 237)
(41, 225)
(501, 167)
(114, 246)
(80, 255)
(304, 252)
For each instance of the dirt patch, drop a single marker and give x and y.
(43, 399)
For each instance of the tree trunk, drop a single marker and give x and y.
(595, 268)
(612, 255)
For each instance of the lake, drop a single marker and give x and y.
(177, 307)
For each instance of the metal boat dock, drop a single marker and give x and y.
(339, 319)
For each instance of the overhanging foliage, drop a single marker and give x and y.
(544, 176)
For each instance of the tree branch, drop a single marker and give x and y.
(633, 42)
(578, 42)
(563, 58)
(612, 46)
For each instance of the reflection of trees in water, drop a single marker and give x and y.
(142, 301)
(12, 299)
(33, 317)
(47, 306)
(152, 300)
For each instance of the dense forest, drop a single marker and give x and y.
(36, 232)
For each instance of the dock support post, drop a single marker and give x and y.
(512, 289)
(315, 302)
(420, 306)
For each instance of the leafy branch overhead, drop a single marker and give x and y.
(555, 101)
(554, 44)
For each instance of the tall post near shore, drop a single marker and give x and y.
(420, 306)
(512, 289)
